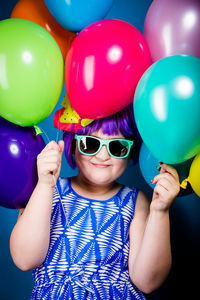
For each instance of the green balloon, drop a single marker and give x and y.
(167, 108)
(31, 72)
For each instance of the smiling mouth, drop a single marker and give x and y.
(101, 166)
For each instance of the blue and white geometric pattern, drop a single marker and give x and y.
(89, 247)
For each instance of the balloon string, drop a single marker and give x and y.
(43, 131)
(58, 128)
(66, 219)
(54, 179)
(68, 227)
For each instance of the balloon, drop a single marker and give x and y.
(193, 177)
(173, 27)
(167, 108)
(31, 72)
(37, 12)
(149, 169)
(75, 15)
(19, 148)
(103, 66)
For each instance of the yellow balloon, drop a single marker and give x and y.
(194, 175)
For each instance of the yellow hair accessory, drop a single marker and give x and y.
(70, 115)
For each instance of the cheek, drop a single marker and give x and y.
(80, 158)
(120, 165)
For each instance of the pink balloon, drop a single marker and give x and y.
(103, 66)
(173, 27)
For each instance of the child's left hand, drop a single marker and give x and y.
(166, 189)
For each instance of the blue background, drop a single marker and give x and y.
(182, 282)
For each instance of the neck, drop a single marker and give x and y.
(89, 189)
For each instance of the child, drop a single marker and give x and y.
(89, 237)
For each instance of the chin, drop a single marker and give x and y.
(100, 179)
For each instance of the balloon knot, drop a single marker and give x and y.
(38, 131)
(184, 183)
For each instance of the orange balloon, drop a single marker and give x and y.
(37, 12)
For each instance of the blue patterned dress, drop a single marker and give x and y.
(89, 247)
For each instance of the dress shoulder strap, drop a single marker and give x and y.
(63, 185)
(127, 198)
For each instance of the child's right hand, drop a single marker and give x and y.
(49, 163)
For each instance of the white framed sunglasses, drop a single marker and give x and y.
(90, 145)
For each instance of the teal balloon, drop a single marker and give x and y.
(149, 167)
(167, 108)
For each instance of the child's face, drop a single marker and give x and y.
(100, 168)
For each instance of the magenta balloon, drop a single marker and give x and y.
(173, 27)
(103, 66)
(19, 147)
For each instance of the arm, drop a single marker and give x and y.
(29, 240)
(150, 249)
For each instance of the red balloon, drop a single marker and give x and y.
(103, 66)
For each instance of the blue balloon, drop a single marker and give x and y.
(149, 166)
(75, 15)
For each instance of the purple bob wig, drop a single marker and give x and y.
(122, 122)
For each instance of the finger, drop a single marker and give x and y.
(47, 148)
(52, 145)
(164, 191)
(61, 145)
(168, 169)
(52, 159)
(160, 190)
(49, 153)
(165, 183)
(165, 175)
(173, 188)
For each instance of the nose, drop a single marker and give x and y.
(103, 153)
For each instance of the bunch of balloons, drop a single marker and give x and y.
(105, 64)
(43, 43)
(166, 101)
